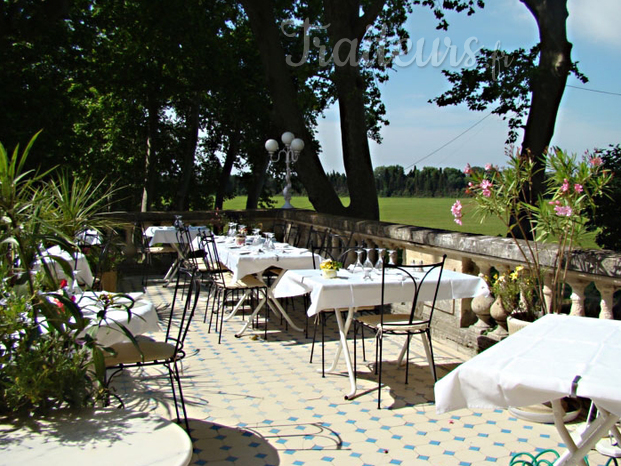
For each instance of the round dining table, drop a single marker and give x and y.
(97, 437)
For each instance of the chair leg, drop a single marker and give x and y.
(426, 336)
(379, 345)
(323, 344)
(314, 336)
(176, 376)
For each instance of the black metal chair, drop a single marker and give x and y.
(222, 283)
(404, 323)
(169, 352)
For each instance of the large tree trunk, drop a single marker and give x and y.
(150, 157)
(547, 91)
(549, 83)
(231, 153)
(286, 112)
(346, 23)
(187, 170)
(257, 178)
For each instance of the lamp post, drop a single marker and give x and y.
(291, 151)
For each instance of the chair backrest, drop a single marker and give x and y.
(291, 234)
(214, 270)
(184, 245)
(178, 325)
(424, 279)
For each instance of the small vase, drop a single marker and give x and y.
(500, 315)
(480, 307)
(328, 273)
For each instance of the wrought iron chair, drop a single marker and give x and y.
(169, 352)
(404, 323)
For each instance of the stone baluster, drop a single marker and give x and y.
(578, 288)
(607, 292)
(481, 304)
(547, 293)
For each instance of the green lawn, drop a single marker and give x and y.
(423, 212)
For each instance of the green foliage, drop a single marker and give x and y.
(607, 216)
(561, 213)
(48, 357)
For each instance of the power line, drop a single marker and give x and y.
(444, 145)
(593, 90)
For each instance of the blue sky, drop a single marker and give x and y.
(417, 129)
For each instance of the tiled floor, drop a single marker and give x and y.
(253, 401)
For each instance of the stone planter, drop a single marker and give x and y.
(515, 322)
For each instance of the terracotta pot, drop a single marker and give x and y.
(108, 280)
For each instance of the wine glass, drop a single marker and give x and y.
(391, 257)
(367, 267)
(358, 263)
(232, 230)
(269, 240)
(379, 265)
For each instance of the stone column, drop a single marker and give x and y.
(577, 296)
(607, 292)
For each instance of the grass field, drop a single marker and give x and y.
(422, 212)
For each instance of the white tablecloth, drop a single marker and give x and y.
(168, 234)
(539, 364)
(352, 290)
(143, 318)
(246, 260)
(84, 274)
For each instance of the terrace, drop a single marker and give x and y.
(259, 401)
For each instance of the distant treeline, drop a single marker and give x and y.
(391, 181)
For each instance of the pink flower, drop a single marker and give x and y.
(456, 211)
(468, 169)
(578, 188)
(563, 211)
(596, 161)
(485, 185)
(565, 186)
(488, 167)
(63, 283)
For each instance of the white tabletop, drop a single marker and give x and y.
(83, 270)
(539, 364)
(168, 234)
(251, 259)
(143, 318)
(352, 290)
(104, 437)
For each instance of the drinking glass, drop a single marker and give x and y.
(358, 263)
(379, 265)
(269, 241)
(232, 229)
(391, 257)
(367, 267)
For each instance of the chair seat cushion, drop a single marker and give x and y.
(393, 322)
(249, 281)
(127, 353)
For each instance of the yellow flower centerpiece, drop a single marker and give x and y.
(329, 268)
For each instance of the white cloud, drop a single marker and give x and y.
(595, 21)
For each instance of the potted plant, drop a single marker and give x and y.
(329, 268)
(560, 215)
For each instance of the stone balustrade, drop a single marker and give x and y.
(593, 275)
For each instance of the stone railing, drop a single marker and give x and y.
(595, 271)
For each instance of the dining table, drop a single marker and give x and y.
(350, 290)
(142, 316)
(554, 357)
(255, 258)
(77, 262)
(97, 437)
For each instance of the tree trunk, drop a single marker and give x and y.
(257, 180)
(150, 157)
(549, 83)
(227, 167)
(187, 171)
(345, 23)
(286, 112)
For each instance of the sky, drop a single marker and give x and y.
(424, 134)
